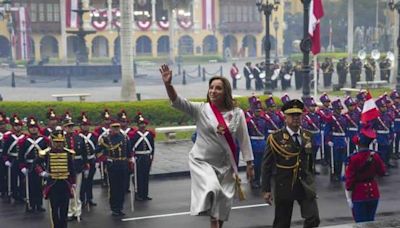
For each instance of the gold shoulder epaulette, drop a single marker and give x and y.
(44, 152)
(69, 150)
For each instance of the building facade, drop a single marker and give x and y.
(231, 28)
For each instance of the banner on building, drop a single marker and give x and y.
(208, 9)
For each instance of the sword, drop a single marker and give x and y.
(332, 161)
(102, 171)
(133, 191)
(322, 149)
(78, 218)
(9, 181)
(28, 201)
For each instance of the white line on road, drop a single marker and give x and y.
(188, 213)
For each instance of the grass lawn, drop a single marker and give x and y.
(374, 92)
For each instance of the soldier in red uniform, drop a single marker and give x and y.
(3, 168)
(362, 191)
(52, 122)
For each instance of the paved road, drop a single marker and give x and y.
(172, 195)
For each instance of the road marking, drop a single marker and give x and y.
(188, 213)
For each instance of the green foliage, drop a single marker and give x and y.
(374, 92)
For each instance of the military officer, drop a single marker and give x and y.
(86, 145)
(3, 169)
(337, 127)
(114, 148)
(11, 148)
(362, 191)
(248, 74)
(55, 164)
(30, 147)
(288, 161)
(68, 127)
(341, 69)
(52, 122)
(369, 69)
(312, 122)
(258, 130)
(143, 148)
(395, 96)
(327, 69)
(353, 118)
(383, 127)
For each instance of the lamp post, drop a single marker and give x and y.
(305, 47)
(267, 9)
(276, 26)
(396, 6)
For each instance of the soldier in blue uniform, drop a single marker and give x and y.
(383, 127)
(337, 128)
(3, 169)
(360, 99)
(30, 147)
(257, 127)
(11, 148)
(114, 148)
(249, 112)
(325, 112)
(274, 121)
(395, 96)
(312, 122)
(285, 98)
(353, 118)
(101, 131)
(143, 148)
(86, 146)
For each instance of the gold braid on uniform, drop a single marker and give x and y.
(286, 154)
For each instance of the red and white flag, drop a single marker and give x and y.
(208, 7)
(316, 13)
(21, 33)
(370, 111)
(71, 17)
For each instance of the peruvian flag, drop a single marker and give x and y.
(316, 13)
(71, 17)
(208, 7)
(370, 111)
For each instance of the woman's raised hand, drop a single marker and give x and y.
(166, 74)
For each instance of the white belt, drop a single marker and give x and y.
(353, 129)
(397, 120)
(382, 132)
(13, 154)
(78, 157)
(271, 131)
(29, 160)
(338, 134)
(143, 152)
(257, 137)
(314, 132)
(91, 156)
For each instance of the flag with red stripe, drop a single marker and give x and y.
(370, 111)
(316, 13)
(208, 10)
(71, 17)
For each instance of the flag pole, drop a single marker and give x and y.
(315, 76)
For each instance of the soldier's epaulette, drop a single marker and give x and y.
(43, 153)
(69, 150)
(306, 133)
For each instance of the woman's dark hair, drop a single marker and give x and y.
(229, 102)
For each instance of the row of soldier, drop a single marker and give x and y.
(333, 129)
(120, 150)
(284, 72)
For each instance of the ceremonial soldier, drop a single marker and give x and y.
(336, 127)
(362, 191)
(384, 67)
(69, 131)
(327, 70)
(234, 75)
(395, 96)
(143, 148)
(258, 132)
(101, 131)
(257, 80)
(288, 161)
(3, 169)
(248, 75)
(325, 112)
(55, 164)
(11, 148)
(312, 122)
(285, 98)
(250, 112)
(274, 120)
(353, 119)
(383, 127)
(31, 145)
(360, 99)
(86, 145)
(355, 72)
(286, 75)
(52, 122)
(369, 69)
(341, 69)
(114, 149)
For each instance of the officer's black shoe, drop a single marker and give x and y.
(92, 204)
(29, 210)
(121, 213)
(40, 209)
(115, 213)
(138, 198)
(317, 173)
(148, 198)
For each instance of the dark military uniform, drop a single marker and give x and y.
(115, 151)
(3, 168)
(327, 69)
(57, 167)
(288, 161)
(355, 72)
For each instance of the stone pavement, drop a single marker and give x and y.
(377, 224)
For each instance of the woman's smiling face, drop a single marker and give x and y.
(216, 92)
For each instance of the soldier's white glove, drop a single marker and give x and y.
(133, 160)
(348, 198)
(24, 171)
(330, 143)
(8, 163)
(74, 186)
(44, 174)
(86, 173)
(350, 203)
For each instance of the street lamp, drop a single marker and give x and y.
(396, 6)
(276, 26)
(305, 47)
(267, 9)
